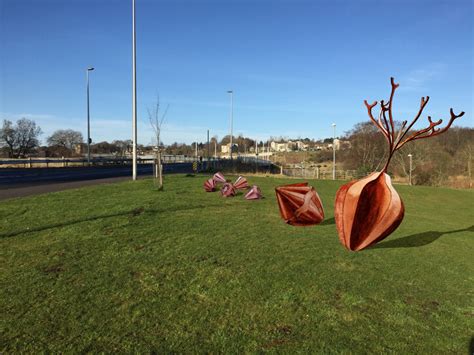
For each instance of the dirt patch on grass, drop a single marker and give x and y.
(281, 336)
(53, 269)
(137, 211)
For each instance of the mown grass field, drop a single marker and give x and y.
(123, 267)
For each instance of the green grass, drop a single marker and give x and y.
(123, 267)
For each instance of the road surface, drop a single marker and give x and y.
(25, 182)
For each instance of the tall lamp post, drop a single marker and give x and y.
(88, 120)
(134, 95)
(231, 118)
(411, 167)
(208, 148)
(334, 152)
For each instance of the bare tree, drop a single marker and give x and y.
(66, 138)
(156, 122)
(20, 139)
(123, 147)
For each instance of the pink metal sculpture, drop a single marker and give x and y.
(254, 193)
(210, 185)
(370, 209)
(218, 177)
(228, 190)
(299, 204)
(241, 183)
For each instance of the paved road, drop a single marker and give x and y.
(10, 178)
(25, 190)
(25, 182)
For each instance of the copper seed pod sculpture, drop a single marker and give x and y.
(254, 193)
(299, 204)
(228, 190)
(210, 185)
(219, 178)
(241, 183)
(370, 209)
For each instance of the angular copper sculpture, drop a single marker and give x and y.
(219, 178)
(254, 193)
(241, 183)
(210, 185)
(299, 204)
(369, 210)
(228, 190)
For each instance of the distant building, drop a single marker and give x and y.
(301, 145)
(80, 148)
(288, 146)
(282, 146)
(225, 148)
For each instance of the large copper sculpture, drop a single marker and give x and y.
(368, 210)
(299, 204)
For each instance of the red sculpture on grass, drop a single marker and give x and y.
(210, 185)
(219, 178)
(228, 190)
(241, 183)
(299, 204)
(254, 193)
(370, 209)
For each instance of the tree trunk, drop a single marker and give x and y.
(160, 171)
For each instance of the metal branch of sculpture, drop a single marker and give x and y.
(370, 209)
(387, 127)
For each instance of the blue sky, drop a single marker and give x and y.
(295, 66)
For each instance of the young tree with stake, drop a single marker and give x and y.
(156, 122)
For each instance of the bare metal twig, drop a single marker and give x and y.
(387, 125)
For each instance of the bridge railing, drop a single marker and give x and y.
(118, 161)
(77, 162)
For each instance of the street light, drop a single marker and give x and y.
(134, 95)
(88, 120)
(231, 118)
(334, 152)
(411, 166)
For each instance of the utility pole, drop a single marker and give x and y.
(208, 149)
(334, 152)
(411, 168)
(134, 94)
(88, 121)
(231, 119)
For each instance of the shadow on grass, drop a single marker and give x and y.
(328, 222)
(130, 213)
(419, 239)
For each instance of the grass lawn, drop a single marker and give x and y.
(123, 267)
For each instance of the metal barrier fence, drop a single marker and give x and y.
(96, 161)
(239, 164)
(316, 173)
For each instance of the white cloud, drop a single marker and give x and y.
(419, 79)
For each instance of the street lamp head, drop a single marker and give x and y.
(410, 155)
(230, 91)
(90, 68)
(334, 125)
